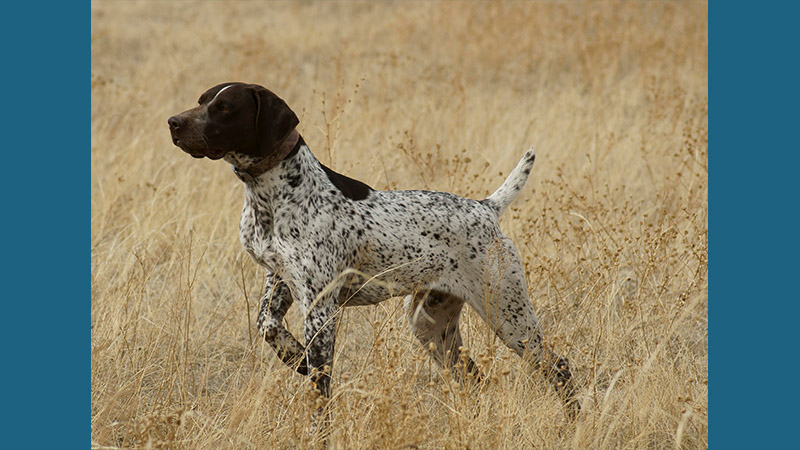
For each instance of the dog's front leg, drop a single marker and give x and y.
(320, 336)
(276, 301)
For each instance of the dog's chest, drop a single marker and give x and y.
(256, 233)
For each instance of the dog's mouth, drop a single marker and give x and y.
(198, 152)
(215, 154)
(192, 152)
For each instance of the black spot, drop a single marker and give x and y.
(294, 180)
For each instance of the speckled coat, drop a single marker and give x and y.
(328, 241)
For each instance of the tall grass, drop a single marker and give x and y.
(612, 226)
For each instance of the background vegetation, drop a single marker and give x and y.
(612, 226)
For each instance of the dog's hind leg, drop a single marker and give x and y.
(434, 317)
(501, 299)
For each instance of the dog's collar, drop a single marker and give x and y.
(287, 148)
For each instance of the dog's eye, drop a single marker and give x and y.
(224, 107)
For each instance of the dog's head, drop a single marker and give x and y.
(245, 121)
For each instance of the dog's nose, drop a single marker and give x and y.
(175, 122)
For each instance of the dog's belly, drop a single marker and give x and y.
(373, 283)
(366, 294)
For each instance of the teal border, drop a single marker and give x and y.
(753, 97)
(753, 243)
(46, 226)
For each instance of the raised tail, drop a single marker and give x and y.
(508, 191)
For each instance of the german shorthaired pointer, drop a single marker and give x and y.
(328, 241)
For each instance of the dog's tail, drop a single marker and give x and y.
(508, 191)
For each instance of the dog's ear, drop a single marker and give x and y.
(274, 120)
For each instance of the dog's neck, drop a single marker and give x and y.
(286, 184)
(299, 167)
(289, 146)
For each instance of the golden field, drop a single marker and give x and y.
(612, 225)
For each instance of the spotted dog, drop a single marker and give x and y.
(328, 241)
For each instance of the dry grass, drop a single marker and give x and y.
(612, 226)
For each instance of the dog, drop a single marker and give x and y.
(328, 241)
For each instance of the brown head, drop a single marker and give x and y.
(245, 121)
